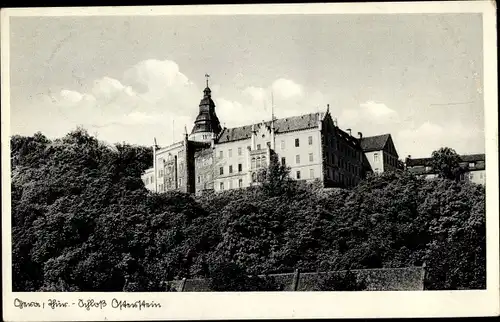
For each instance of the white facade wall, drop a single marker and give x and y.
(285, 148)
(376, 161)
(231, 157)
(477, 176)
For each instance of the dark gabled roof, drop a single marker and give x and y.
(289, 124)
(473, 157)
(374, 143)
(422, 162)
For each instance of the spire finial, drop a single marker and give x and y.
(207, 77)
(328, 108)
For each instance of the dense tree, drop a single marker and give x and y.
(447, 163)
(82, 220)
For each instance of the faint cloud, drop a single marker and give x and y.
(108, 88)
(71, 96)
(256, 93)
(420, 141)
(140, 118)
(377, 109)
(286, 89)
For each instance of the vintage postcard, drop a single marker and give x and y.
(250, 161)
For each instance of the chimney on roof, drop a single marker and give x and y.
(349, 130)
(360, 135)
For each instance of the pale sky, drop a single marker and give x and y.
(418, 77)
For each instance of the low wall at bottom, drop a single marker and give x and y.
(378, 279)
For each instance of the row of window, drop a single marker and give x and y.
(230, 153)
(240, 168)
(240, 152)
(298, 174)
(349, 151)
(297, 142)
(161, 172)
(297, 159)
(340, 177)
(229, 185)
(341, 163)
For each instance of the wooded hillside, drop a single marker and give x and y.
(82, 220)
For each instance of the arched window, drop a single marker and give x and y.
(254, 177)
(263, 162)
(258, 162)
(253, 163)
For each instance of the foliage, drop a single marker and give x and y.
(82, 220)
(447, 163)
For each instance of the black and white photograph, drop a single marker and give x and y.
(263, 152)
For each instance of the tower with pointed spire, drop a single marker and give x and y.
(207, 125)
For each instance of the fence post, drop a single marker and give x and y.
(183, 284)
(423, 275)
(295, 283)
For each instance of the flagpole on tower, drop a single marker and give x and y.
(207, 76)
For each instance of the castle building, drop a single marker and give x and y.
(472, 166)
(212, 158)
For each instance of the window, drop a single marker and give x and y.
(471, 165)
(282, 144)
(310, 157)
(221, 154)
(180, 181)
(254, 177)
(376, 170)
(258, 162)
(298, 175)
(263, 162)
(253, 163)
(258, 146)
(199, 179)
(283, 161)
(375, 157)
(161, 174)
(297, 159)
(239, 151)
(471, 176)
(310, 140)
(146, 181)
(221, 170)
(240, 167)
(427, 168)
(221, 186)
(297, 143)
(240, 183)
(230, 169)
(230, 151)
(311, 173)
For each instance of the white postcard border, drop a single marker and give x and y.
(272, 305)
